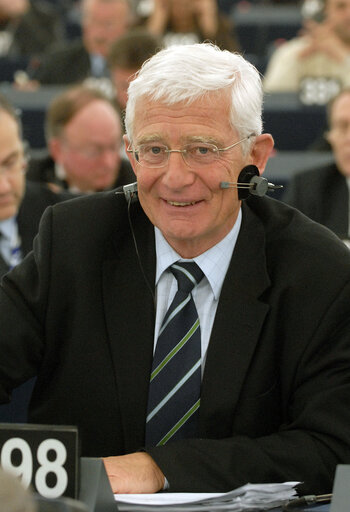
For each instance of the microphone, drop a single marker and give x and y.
(250, 182)
(130, 192)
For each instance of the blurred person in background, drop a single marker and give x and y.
(103, 21)
(322, 193)
(27, 27)
(188, 22)
(322, 51)
(126, 56)
(84, 138)
(21, 204)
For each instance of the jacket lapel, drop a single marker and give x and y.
(3, 267)
(236, 329)
(130, 315)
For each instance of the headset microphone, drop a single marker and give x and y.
(250, 182)
(130, 192)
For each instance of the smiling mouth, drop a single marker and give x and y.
(176, 203)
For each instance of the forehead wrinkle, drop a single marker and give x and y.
(186, 139)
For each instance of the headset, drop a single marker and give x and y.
(249, 183)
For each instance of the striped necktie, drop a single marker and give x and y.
(174, 392)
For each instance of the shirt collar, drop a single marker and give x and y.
(214, 262)
(9, 228)
(61, 174)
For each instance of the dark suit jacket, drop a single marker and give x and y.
(43, 170)
(66, 64)
(276, 386)
(321, 194)
(36, 199)
(39, 28)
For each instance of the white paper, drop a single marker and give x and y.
(249, 496)
(165, 498)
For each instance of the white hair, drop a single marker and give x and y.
(185, 73)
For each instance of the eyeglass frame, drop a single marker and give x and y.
(167, 151)
(92, 154)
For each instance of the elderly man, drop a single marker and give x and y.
(84, 138)
(177, 318)
(322, 193)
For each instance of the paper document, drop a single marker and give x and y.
(247, 497)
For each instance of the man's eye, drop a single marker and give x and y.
(201, 150)
(155, 150)
(10, 162)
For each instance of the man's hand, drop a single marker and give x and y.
(134, 473)
(159, 18)
(322, 38)
(207, 16)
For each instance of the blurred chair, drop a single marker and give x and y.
(10, 65)
(258, 26)
(282, 166)
(293, 125)
(32, 106)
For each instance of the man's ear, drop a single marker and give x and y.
(130, 154)
(261, 151)
(55, 148)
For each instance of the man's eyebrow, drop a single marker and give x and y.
(157, 137)
(201, 138)
(11, 155)
(154, 137)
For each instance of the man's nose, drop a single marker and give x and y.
(5, 185)
(177, 172)
(110, 158)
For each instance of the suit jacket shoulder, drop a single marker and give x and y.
(67, 64)
(321, 194)
(36, 199)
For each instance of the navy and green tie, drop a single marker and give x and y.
(174, 392)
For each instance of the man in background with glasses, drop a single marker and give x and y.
(322, 193)
(84, 138)
(186, 288)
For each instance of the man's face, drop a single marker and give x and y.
(339, 133)
(187, 204)
(103, 23)
(13, 8)
(89, 148)
(338, 12)
(12, 178)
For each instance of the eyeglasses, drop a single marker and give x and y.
(94, 152)
(195, 154)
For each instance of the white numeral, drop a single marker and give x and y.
(24, 470)
(47, 466)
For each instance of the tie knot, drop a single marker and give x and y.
(188, 275)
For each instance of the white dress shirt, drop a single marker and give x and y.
(213, 263)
